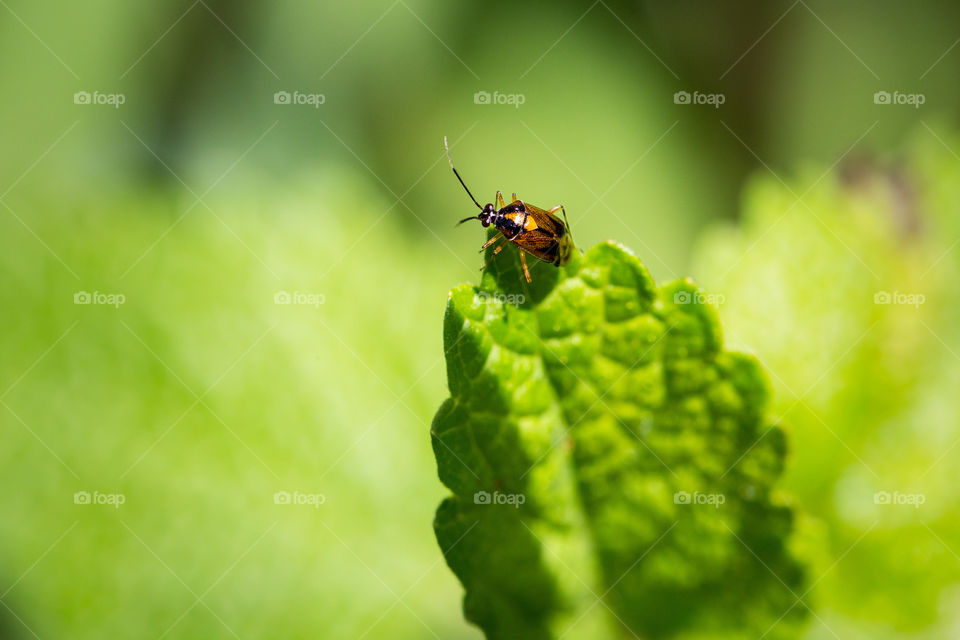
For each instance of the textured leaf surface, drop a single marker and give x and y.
(605, 456)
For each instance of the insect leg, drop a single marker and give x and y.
(565, 222)
(559, 207)
(523, 261)
(491, 241)
(495, 252)
(499, 200)
(514, 196)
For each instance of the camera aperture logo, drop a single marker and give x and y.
(897, 297)
(911, 99)
(712, 499)
(299, 297)
(97, 98)
(696, 297)
(512, 299)
(897, 498)
(485, 97)
(513, 499)
(112, 499)
(298, 498)
(298, 97)
(110, 299)
(712, 99)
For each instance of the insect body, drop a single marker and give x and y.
(531, 229)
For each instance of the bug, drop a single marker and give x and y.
(531, 229)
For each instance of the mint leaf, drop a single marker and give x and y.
(612, 467)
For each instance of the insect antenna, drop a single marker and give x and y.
(450, 160)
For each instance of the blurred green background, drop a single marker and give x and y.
(826, 219)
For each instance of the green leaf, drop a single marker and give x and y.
(612, 467)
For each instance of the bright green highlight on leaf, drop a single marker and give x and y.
(612, 467)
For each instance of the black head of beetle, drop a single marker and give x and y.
(488, 215)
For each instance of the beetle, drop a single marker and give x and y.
(531, 229)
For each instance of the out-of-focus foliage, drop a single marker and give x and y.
(598, 444)
(94, 186)
(104, 399)
(851, 298)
